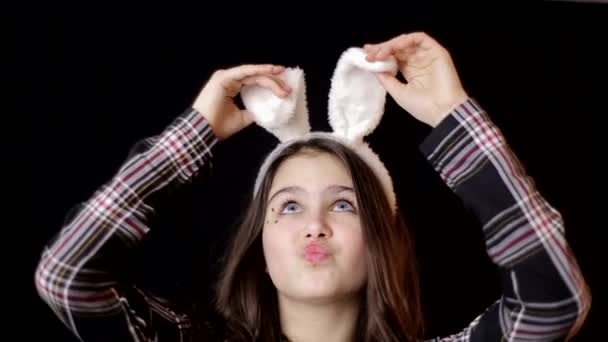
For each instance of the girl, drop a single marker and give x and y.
(322, 255)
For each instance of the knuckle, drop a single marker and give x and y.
(418, 35)
(218, 73)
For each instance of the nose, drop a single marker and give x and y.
(317, 228)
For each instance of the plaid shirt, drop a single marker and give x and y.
(544, 294)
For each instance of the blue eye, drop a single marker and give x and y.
(289, 207)
(343, 205)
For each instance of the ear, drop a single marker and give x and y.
(356, 97)
(286, 118)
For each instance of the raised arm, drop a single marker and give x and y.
(544, 295)
(78, 273)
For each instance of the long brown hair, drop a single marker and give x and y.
(390, 303)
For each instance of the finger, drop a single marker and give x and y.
(392, 85)
(371, 50)
(416, 40)
(281, 82)
(396, 44)
(383, 52)
(404, 44)
(370, 47)
(272, 83)
(231, 79)
(257, 79)
(241, 72)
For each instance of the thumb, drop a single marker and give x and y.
(392, 85)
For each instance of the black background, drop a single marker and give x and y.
(89, 83)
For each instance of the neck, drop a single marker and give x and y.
(331, 322)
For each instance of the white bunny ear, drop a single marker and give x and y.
(286, 118)
(356, 106)
(356, 97)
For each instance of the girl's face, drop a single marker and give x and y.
(312, 237)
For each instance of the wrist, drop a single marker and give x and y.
(447, 107)
(209, 119)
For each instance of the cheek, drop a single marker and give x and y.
(354, 249)
(275, 243)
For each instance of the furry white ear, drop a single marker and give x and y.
(286, 118)
(356, 97)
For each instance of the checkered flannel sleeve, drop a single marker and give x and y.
(544, 293)
(77, 275)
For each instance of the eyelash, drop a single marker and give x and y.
(285, 203)
(288, 201)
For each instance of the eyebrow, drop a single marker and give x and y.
(298, 189)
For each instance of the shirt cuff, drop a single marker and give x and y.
(199, 123)
(436, 143)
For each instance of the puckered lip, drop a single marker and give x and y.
(316, 252)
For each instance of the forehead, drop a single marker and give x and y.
(311, 170)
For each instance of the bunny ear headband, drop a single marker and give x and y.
(356, 105)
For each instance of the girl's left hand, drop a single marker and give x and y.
(433, 87)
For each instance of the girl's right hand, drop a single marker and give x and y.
(216, 100)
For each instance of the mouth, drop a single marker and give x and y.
(316, 254)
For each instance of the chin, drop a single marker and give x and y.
(321, 292)
(319, 284)
(318, 297)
